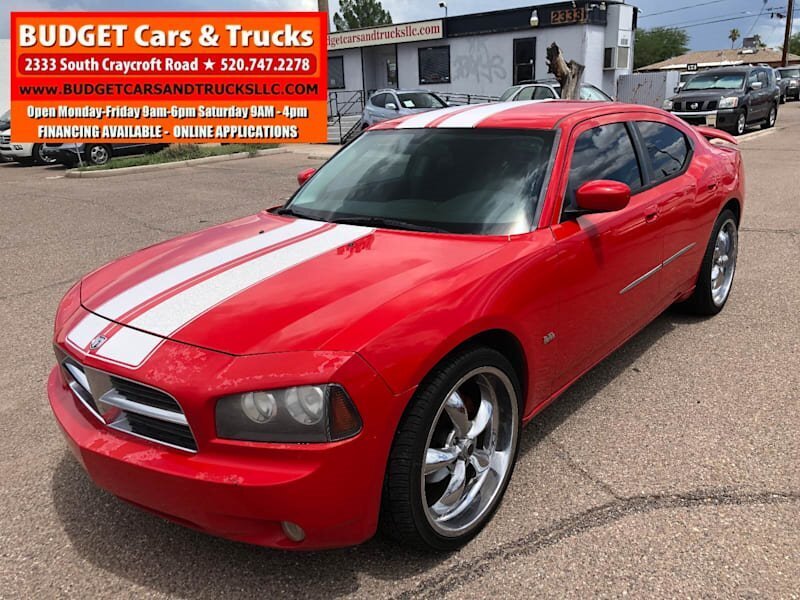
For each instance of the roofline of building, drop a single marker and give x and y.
(489, 13)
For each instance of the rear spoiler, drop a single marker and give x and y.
(715, 134)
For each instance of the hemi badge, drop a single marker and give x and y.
(549, 338)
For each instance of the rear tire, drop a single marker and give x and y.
(715, 280)
(453, 453)
(98, 155)
(741, 123)
(771, 118)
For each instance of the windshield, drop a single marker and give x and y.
(508, 93)
(789, 72)
(5, 120)
(419, 100)
(718, 81)
(483, 182)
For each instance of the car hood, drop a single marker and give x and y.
(274, 284)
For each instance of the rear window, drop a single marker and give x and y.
(419, 100)
(790, 72)
(666, 146)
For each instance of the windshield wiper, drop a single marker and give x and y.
(290, 212)
(387, 224)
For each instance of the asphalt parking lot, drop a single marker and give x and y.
(672, 469)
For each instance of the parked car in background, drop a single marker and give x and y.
(729, 98)
(792, 77)
(26, 154)
(94, 154)
(369, 352)
(390, 104)
(783, 85)
(547, 89)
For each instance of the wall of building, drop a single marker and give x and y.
(5, 75)
(352, 68)
(483, 64)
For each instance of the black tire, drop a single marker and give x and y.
(741, 122)
(403, 516)
(782, 99)
(769, 122)
(39, 158)
(97, 155)
(702, 301)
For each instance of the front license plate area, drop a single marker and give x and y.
(711, 120)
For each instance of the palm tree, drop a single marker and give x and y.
(733, 36)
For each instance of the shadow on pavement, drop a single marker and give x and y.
(159, 555)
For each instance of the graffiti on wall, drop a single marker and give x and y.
(479, 64)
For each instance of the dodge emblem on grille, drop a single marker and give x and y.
(694, 106)
(97, 342)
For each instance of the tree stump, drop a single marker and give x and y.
(568, 74)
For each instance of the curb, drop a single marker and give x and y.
(76, 174)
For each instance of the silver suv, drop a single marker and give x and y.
(390, 104)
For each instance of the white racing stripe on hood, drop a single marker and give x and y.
(91, 326)
(179, 310)
(423, 120)
(472, 118)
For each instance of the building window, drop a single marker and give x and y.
(623, 57)
(608, 58)
(434, 65)
(336, 72)
(524, 60)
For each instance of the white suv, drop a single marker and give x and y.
(26, 154)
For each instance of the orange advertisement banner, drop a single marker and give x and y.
(169, 77)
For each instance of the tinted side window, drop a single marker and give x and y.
(605, 152)
(526, 93)
(762, 77)
(379, 100)
(666, 146)
(543, 93)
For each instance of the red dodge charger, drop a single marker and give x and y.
(367, 354)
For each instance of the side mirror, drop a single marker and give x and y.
(391, 106)
(602, 195)
(304, 176)
(756, 85)
(677, 89)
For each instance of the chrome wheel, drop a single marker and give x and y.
(470, 451)
(773, 115)
(723, 262)
(99, 155)
(42, 158)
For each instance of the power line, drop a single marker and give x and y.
(758, 18)
(664, 12)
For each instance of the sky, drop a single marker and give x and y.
(749, 16)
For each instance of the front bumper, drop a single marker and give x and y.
(242, 490)
(724, 118)
(16, 151)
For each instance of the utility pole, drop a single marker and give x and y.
(323, 8)
(787, 37)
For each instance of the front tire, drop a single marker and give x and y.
(454, 452)
(715, 280)
(39, 157)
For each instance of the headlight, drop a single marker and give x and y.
(667, 105)
(729, 102)
(793, 83)
(309, 413)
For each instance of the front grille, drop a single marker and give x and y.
(676, 106)
(145, 395)
(129, 406)
(696, 105)
(5, 139)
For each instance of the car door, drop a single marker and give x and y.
(610, 262)
(678, 192)
(376, 108)
(757, 96)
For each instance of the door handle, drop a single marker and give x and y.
(712, 186)
(651, 216)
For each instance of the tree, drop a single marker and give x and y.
(757, 41)
(657, 44)
(733, 36)
(568, 73)
(794, 43)
(356, 14)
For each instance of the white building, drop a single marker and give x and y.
(485, 53)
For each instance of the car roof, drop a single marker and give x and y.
(533, 114)
(737, 69)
